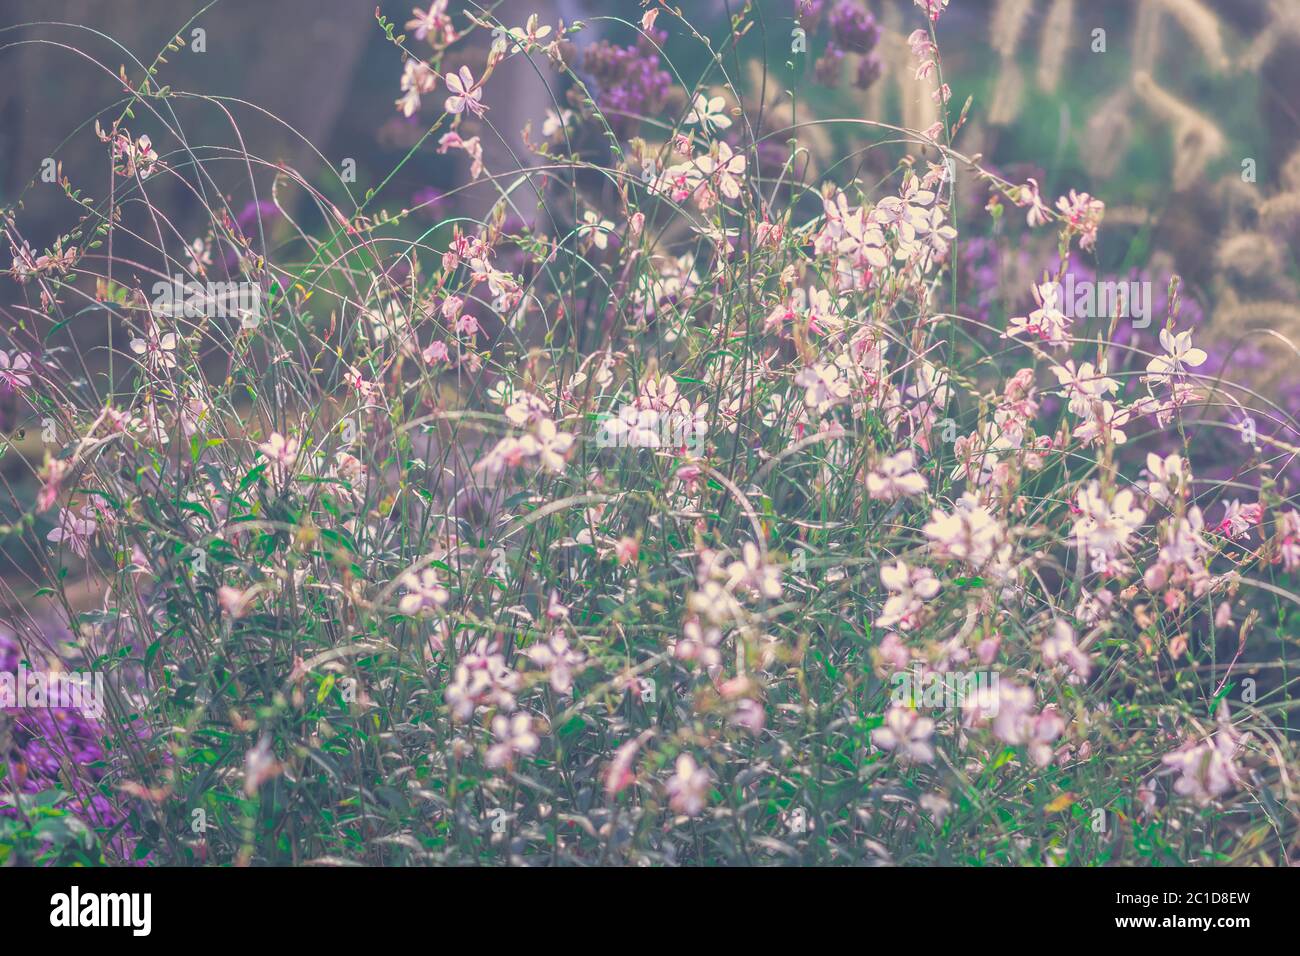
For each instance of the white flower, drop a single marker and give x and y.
(465, 95)
(595, 228)
(552, 445)
(894, 477)
(709, 112)
(728, 169)
(159, 350)
(529, 34)
(559, 660)
(280, 450)
(260, 766)
(482, 679)
(555, 123)
(74, 530)
(424, 592)
(910, 588)
(1169, 477)
(1106, 527)
(698, 644)
(1208, 769)
(514, 736)
(524, 408)
(970, 533)
(1061, 648)
(1085, 387)
(145, 156)
(1047, 322)
(1014, 720)
(823, 386)
(15, 370)
(907, 734)
(714, 601)
(1180, 353)
(417, 78)
(688, 788)
(752, 573)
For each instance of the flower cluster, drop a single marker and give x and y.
(601, 534)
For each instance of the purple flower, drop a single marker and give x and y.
(829, 67)
(853, 28)
(870, 69)
(628, 80)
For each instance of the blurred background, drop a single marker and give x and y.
(1180, 114)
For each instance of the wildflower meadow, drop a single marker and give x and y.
(810, 433)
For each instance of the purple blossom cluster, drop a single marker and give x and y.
(46, 742)
(853, 30)
(629, 81)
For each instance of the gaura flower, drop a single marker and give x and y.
(465, 94)
(709, 112)
(688, 788)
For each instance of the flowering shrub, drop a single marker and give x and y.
(633, 520)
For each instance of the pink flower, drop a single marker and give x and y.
(749, 715)
(626, 550)
(1060, 648)
(56, 469)
(932, 8)
(482, 679)
(424, 592)
(559, 660)
(688, 788)
(894, 477)
(280, 450)
(471, 146)
(1238, 518)
(434, 26)
(15, 370)
(452, 306)
(620, 775)
(417, 78)
(514, 736)
(75, 530)
(1047, 322)
(1207, 769)
(892, 654)
(1083, 214)
(1288, 534)
(234, 601)
(465, 94)
(906, 734)
(909, 589)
